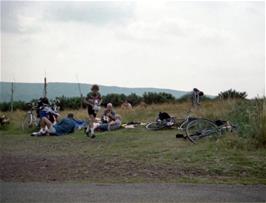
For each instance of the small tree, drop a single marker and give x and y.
(232, 94)
(157, 98)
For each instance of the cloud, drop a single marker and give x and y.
(8, 16)
(21, 17)
(171, 45)
(91, 12)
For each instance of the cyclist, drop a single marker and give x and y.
(111, 125)
(93, 101)
(195, 97)
(108, 114)
(65, 126)
(45, 110)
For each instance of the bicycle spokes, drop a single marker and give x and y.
(200, 128)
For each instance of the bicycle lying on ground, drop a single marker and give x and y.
(161, 124)
(193, 128)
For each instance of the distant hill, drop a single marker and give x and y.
(28, 91)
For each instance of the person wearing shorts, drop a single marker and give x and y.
(93, 101)
(65, 126)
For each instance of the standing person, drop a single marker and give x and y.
(93, 101)
(195, 98)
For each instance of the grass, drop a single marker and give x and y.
(139, 155)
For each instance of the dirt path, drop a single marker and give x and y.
(78, 192)
(33, 168)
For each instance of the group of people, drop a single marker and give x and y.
(109, 119)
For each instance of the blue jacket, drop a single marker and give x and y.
(65, 126)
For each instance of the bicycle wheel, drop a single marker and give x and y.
(27, 122)
(200, 128)
(154, 126)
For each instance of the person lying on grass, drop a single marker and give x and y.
(112, 125)
(65, 126)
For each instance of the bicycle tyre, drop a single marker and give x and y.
(27, 122)
(200, 128)
(154, 126)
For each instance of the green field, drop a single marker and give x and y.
(138, 155)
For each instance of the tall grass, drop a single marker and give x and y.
(248, 115)
(260, 122)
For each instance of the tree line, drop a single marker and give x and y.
(134, 99)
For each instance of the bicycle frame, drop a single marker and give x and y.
(184, 122)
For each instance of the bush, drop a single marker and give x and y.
(6, 106)
(232, 94)
(134, 99)
(259, 122)
(158, 98)
(70, 103)
(250, 116)
(115, 99)
(187, 98)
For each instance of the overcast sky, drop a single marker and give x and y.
(214, 46)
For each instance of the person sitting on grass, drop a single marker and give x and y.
(126, 105)
(65, 126)
(108, 114)
(112, 125)
(107, 117)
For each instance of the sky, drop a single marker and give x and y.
(214, 46)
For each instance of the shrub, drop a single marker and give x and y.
(187, 98)
(259, 122)
(5, 106)
(232, 94)
(115, 99)
(157, 98)
(71, 103)
(250, 117)
(134, 99)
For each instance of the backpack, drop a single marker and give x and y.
(201, 93)
(164, 116)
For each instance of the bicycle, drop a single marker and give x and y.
(30, 120)
(161, 124)
(194, 129)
